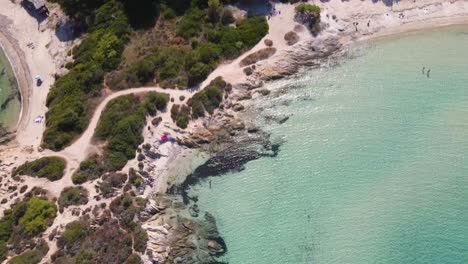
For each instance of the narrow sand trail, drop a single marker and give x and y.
(80, 149)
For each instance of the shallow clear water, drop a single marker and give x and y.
(10, 111)
(374, 168)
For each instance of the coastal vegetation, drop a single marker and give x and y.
(122, 123)
(180, 114)
(208, 99)
(204, 101)
(110, 183)
(79, 243)
(114, 238)
(120, 127)
(186, 45)
(69, 100)
(33, 256)
(308, 15)
(21, 224)
(51, 168)
(188, 41)
(73, 196)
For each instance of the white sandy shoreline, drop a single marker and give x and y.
(417, 26)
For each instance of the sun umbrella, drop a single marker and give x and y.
(38, 77)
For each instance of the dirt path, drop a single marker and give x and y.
(80, 149)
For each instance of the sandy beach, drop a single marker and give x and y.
(32, 51)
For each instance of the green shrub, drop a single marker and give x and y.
(207, 99)
(73, 196)
(140, 239)
(51, 168)
(309, 15)
(115, 110)
(75, 232)
(133, 259)
(124, 135)
(3, 250)
(158, 100)
(111, 182)
(69, 98)
(125, 209)
(180, 115)
(38, 216)
(252, 30)
(31, 256)
(107, 244)
(207, 43)
(79, 178)
(308, 8)
(21, 223)
(191, 24)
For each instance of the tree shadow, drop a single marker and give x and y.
(32, 11)
(261, 8)
(142, 14)
(65, 31)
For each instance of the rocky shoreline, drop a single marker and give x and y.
(179, 233)
(232, 141)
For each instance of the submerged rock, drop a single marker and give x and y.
(175, 237)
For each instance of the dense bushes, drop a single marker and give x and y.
(99, 52)
(31, 256)
(198, 41)
(90, 169)
(107, 244)
(141, 13)
(140, 239)
(24, 221)
(126, 126)
(180, 114)
(125, 208)
(208, 99)
(121, 125)
(112, 241)
(73, 196)
(198, 36)
(38, 216)
(51, 168)
(110, 182)
(75, 232)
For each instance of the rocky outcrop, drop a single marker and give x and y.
(288, 62)
(174, 236)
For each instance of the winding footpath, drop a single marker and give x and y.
(80, 149)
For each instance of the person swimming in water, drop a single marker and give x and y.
(423, 70)
(428, 75)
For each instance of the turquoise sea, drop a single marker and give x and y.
(374, 168)
(10, 104)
